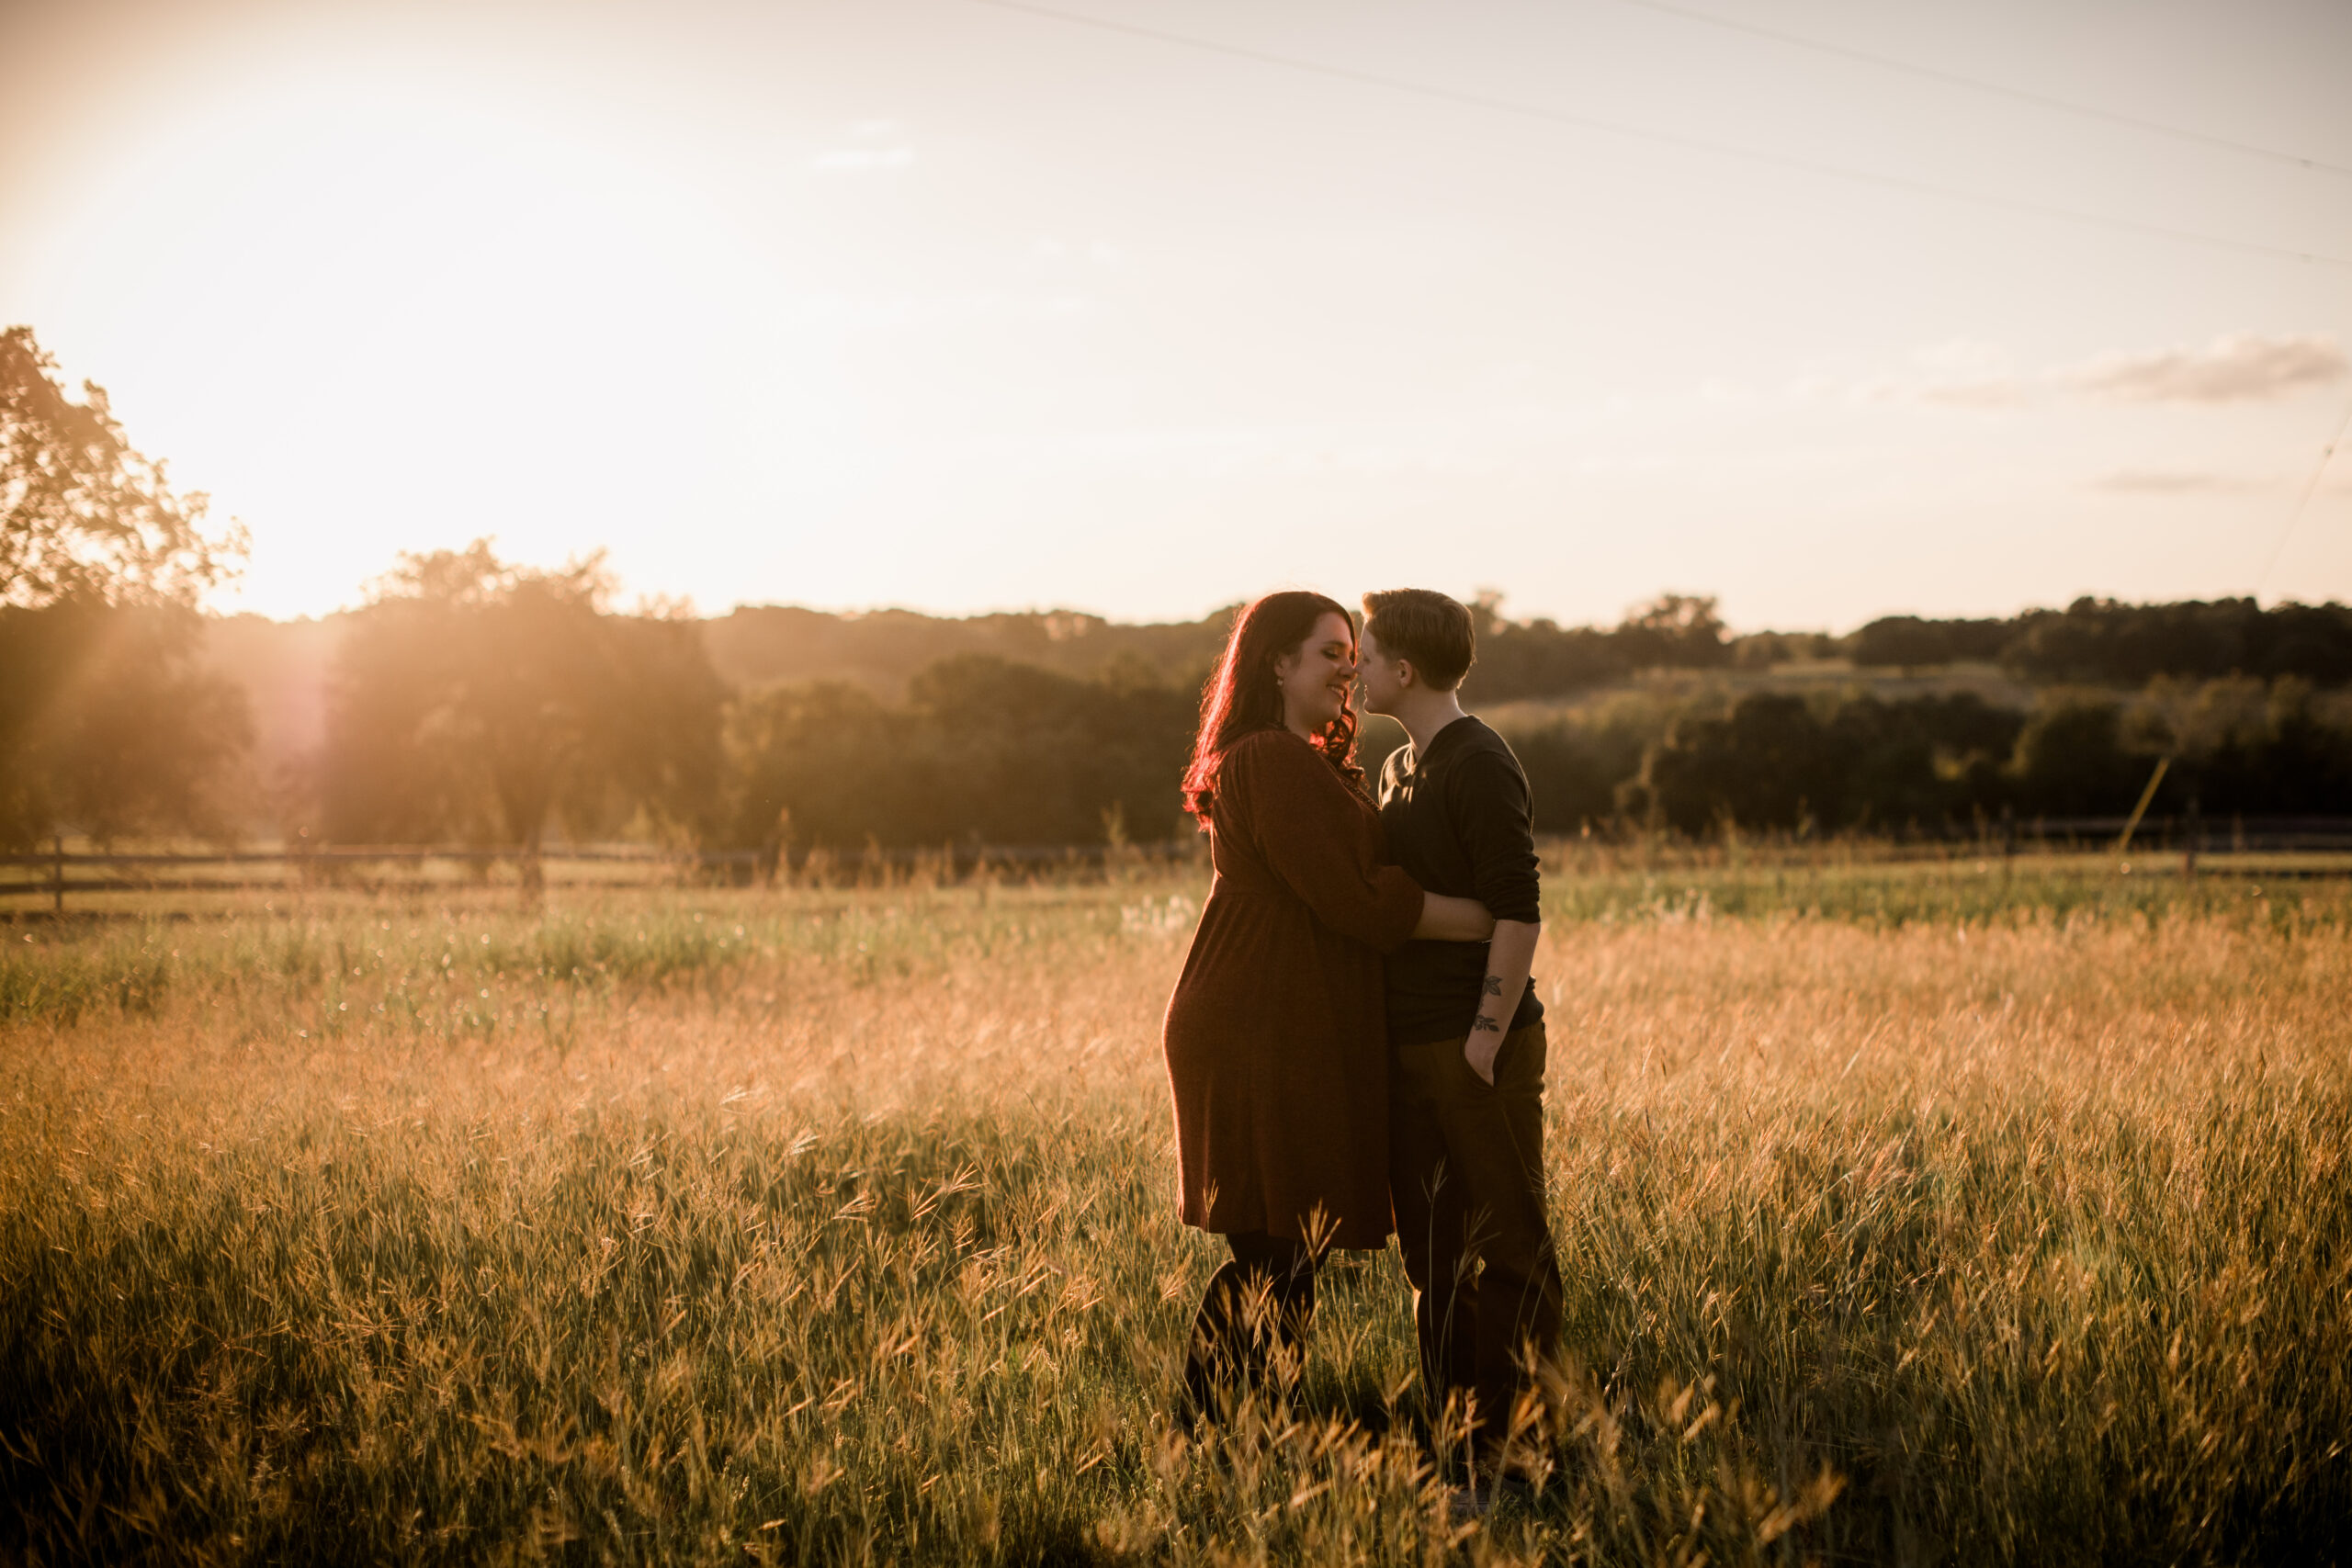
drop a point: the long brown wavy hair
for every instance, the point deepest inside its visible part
(1242, 697)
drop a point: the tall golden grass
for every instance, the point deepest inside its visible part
(837, 1226)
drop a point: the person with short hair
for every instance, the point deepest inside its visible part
(1277, 1056)
(1466, 1044)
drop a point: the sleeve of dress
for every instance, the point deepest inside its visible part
(1306, 825)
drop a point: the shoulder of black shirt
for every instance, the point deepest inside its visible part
(1476, 739)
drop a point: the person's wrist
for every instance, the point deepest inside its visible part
(1483, 1047)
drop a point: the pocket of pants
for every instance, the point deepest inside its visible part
(1518, 1046)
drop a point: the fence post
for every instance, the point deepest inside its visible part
(57, 870)
(2123, 845)
(2189, 842)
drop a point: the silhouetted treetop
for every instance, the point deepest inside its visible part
(1541, 658)
(474, 578)
(82, 515)
(474, 699)
(2104, 642)
(882, 650)
(107, 724)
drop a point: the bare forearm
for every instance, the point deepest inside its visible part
(1445, 919)
(1509, 958)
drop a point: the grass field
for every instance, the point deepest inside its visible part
(1928, 1214)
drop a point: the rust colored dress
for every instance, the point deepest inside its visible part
(1275, 1037)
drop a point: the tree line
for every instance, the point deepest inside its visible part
(1949, 763)
(2103, 642)
(480, 700)
(2090, 642)
(476, 700)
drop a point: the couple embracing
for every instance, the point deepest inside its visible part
(1354, 1045)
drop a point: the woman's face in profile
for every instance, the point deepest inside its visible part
(1316, 675)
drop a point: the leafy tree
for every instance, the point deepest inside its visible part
(1777, 762)
(983, 750)
(477, 699)
(2240, 746)
(2103, 641)
(108, 726)
(1908, 642)
(1541, 658)
(1575, 763)
(1040, 758)
(821, 763)
(82, 515)
(107, 723)
(1674, 631)
(2071, 761)
(1761, 650)
(1766, 764)
(1903, 642)
(757, 646)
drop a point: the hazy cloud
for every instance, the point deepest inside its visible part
(2238, 369)
(2242, 368)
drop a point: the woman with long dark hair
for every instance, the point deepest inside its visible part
(1274, 1037)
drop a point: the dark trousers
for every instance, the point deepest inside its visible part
(1252, 1324)
(1465, 1172)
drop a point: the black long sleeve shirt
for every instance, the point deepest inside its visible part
(1458, 823)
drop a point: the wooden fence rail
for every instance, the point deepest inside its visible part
(963, 855)
(341, 852)
(56, 873)
(335, 865)
(2207, 835)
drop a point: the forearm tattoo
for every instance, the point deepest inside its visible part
(1482, 1024)
(1494, 985)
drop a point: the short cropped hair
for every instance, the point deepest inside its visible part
(1426, 629)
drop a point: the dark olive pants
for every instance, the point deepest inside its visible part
(1465, 1172)
(1252, 1324)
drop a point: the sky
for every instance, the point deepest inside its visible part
(1827, 307)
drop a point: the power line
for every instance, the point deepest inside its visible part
(2293, 518)
(2020, 94)
(1665, 137)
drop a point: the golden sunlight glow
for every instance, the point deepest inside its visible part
(967, 308)
(397, 286)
